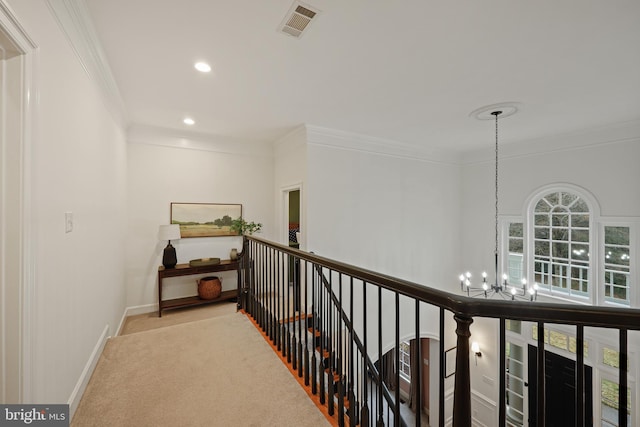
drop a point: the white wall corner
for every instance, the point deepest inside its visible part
(85, 376)
(75, 21)
(135, 310)
(352, 141)
(295, 139)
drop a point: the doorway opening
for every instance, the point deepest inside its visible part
(293, 218)
(560, 390)
(292, 227)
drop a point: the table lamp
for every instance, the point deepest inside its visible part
(169, 232)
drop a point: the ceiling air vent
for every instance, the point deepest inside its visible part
(298, 19)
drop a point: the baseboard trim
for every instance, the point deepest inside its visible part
(132, 311)
(81, 385)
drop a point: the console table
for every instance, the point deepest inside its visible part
(187, 270)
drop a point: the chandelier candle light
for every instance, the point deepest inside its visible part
(502, 289)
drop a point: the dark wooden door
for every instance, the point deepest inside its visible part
(560, 390)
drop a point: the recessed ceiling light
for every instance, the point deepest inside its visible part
(202, 67)
(189, 121)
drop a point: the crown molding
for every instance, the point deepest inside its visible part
(317, 135)
(74, 20)
(189, 140)
(615, 133)
(10, 23)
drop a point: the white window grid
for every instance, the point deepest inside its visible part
(404, 364)
(617, 270)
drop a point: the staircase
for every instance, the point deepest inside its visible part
(311, 328)
(313, 357)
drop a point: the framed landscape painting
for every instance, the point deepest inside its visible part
(205, 219)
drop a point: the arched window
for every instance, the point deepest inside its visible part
(569, 250)
(561, 242)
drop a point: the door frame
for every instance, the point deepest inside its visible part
(18, 359)
(284, 220)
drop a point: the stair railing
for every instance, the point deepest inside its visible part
(300, 302)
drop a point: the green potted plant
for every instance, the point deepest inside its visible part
(243, 227)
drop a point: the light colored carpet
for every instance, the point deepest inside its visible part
(148, 321)
(213, 372)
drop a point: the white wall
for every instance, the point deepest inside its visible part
(602, 161)
(165, 168)
(79, 165)
(381, 209)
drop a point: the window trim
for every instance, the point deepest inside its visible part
(632, 224)
(594, 239)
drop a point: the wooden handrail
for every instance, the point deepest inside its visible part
(571, 314)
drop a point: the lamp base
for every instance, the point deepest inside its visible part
(169, 258)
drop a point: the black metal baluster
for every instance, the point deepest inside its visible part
(263, 296)
(340, 360)
(306, 321)
(274, 291)
(286, 312)
(269, 294)
(299, 323)
(351, 384)
(580, 395)
(622, 380)
(502, 388)
(382, 368)
(442, 372)
(289, 326)
(254, 280)
(396, 415)
(330, 348)
(263, 271)
(418, 354)
(283, 297)
(364, 416)
(314, 326)
(541, 377)
(265, 287)
(323, 322)
(294, 342)
(279, 304)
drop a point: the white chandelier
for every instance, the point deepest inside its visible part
(499, 288)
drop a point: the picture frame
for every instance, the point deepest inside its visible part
(450, 362)
(205, 219)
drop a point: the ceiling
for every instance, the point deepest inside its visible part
(410, 71)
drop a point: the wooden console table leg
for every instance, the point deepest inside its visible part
(239, 291)
(159, 296)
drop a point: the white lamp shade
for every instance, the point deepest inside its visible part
(169, 232)
(475, 347)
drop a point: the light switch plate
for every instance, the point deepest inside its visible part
(68, 222)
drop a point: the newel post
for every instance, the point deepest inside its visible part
(462, 391)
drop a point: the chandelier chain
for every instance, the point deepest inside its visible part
(501, 287)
